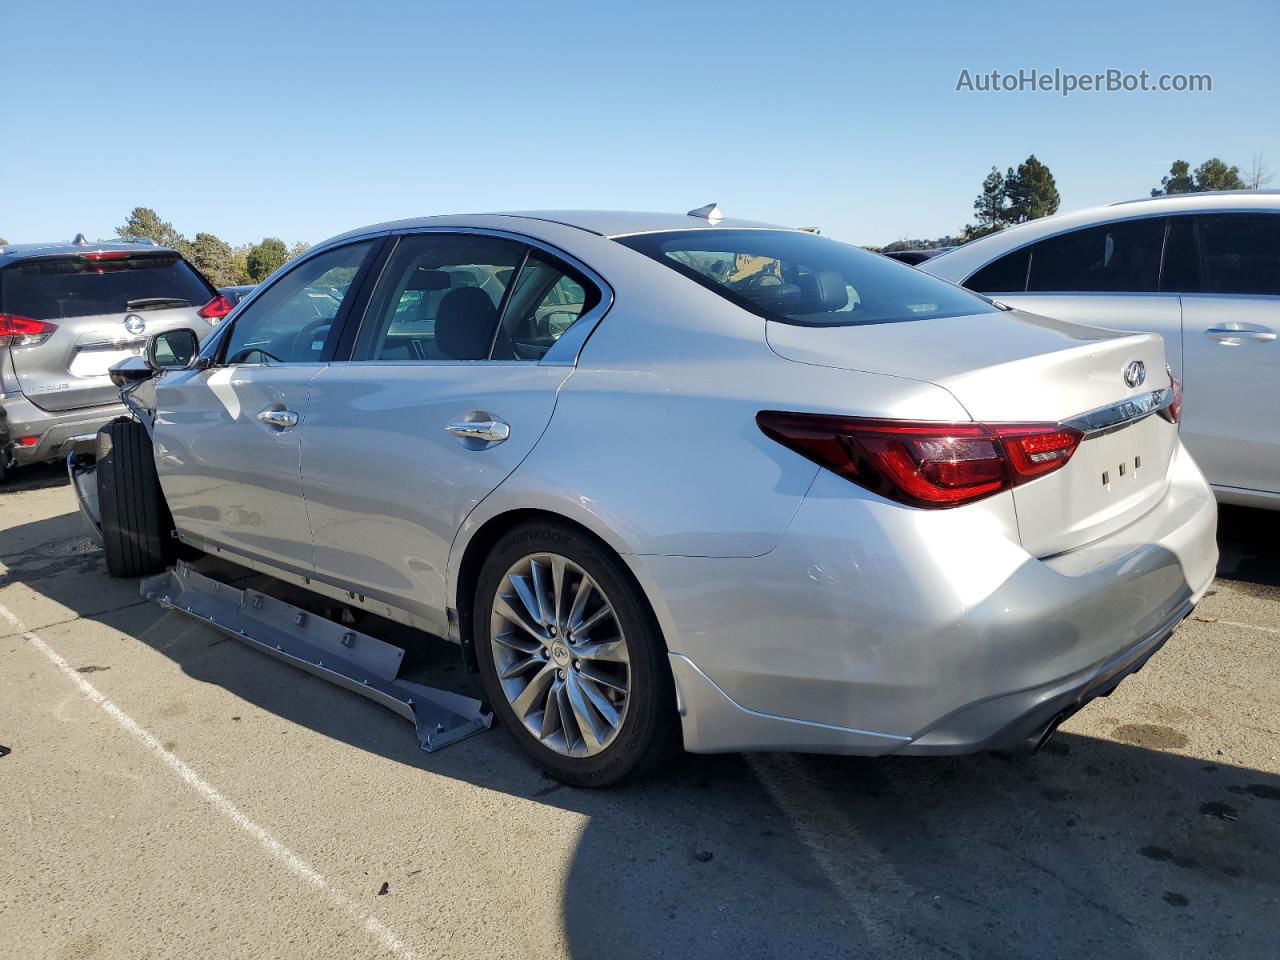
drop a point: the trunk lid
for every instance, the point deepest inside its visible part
(103, 312)
(1014, 367)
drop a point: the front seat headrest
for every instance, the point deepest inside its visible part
(464, 324)
(825, 291)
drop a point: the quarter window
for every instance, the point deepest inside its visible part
(1119, 257)
(1241, 253)
(291, 321)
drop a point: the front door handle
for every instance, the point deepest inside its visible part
(284, 419)
(1234, 334)
(490, 431)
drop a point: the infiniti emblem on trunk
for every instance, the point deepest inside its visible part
(1135, 372)
(135, 325)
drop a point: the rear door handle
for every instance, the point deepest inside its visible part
(284, 419)
(490, 431)
(1236, 333)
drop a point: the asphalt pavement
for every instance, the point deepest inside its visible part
(168, 792)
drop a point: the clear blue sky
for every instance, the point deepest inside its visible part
(304, 119)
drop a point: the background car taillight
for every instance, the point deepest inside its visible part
(23, 331)
(216, 309)
(1173, 412)
(923, 463)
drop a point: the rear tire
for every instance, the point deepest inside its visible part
(646, 733)
(136, 524)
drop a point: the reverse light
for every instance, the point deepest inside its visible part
(925, 463)
(23, 331)
(216, 309)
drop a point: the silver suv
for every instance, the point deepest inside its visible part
(68, 311)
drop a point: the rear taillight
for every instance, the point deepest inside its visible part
(23, 331)
(924, 463)
(1173, 412)
(216, 309)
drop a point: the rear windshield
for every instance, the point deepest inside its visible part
(63, 287)
(800, 278)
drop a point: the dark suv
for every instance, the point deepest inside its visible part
(68, 311)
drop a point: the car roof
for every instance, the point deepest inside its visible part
(11, 252)
(963, 261)
(603, 223)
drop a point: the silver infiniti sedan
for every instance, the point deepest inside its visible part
(684, 479)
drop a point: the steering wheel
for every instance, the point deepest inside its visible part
(762, 280)
(307, 335)
(243, 356)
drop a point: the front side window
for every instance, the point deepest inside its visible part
(803, 279)
(1241, 253)
(439, 298)
(291, 321)
(1112, 258)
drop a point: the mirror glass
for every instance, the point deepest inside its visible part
(172, 349)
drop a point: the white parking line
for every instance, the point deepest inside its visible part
(295, 864)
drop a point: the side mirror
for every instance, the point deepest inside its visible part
(130, 370)
(172, 349)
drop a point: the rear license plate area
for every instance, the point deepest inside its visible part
(91, 362)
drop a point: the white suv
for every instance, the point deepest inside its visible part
(1202, 270)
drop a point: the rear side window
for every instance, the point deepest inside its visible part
(799, 278)
(1241, 253)
(1006, 275)
(439, 298)
(60, 288)
(1112, 258)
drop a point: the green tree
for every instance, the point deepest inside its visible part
(1030, 191)
(990, 206)
(3, 241)
(1213, 174)
(240, 264)
(263, 258)
(215, 259)
(298, 249)
(1179, 180)
(145, 222)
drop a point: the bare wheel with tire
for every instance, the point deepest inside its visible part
(136, 524)
(571, 657)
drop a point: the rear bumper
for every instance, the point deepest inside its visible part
(59, 432)
(1023, 721)
(874, 629)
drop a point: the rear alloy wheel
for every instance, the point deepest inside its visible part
(571, 657)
